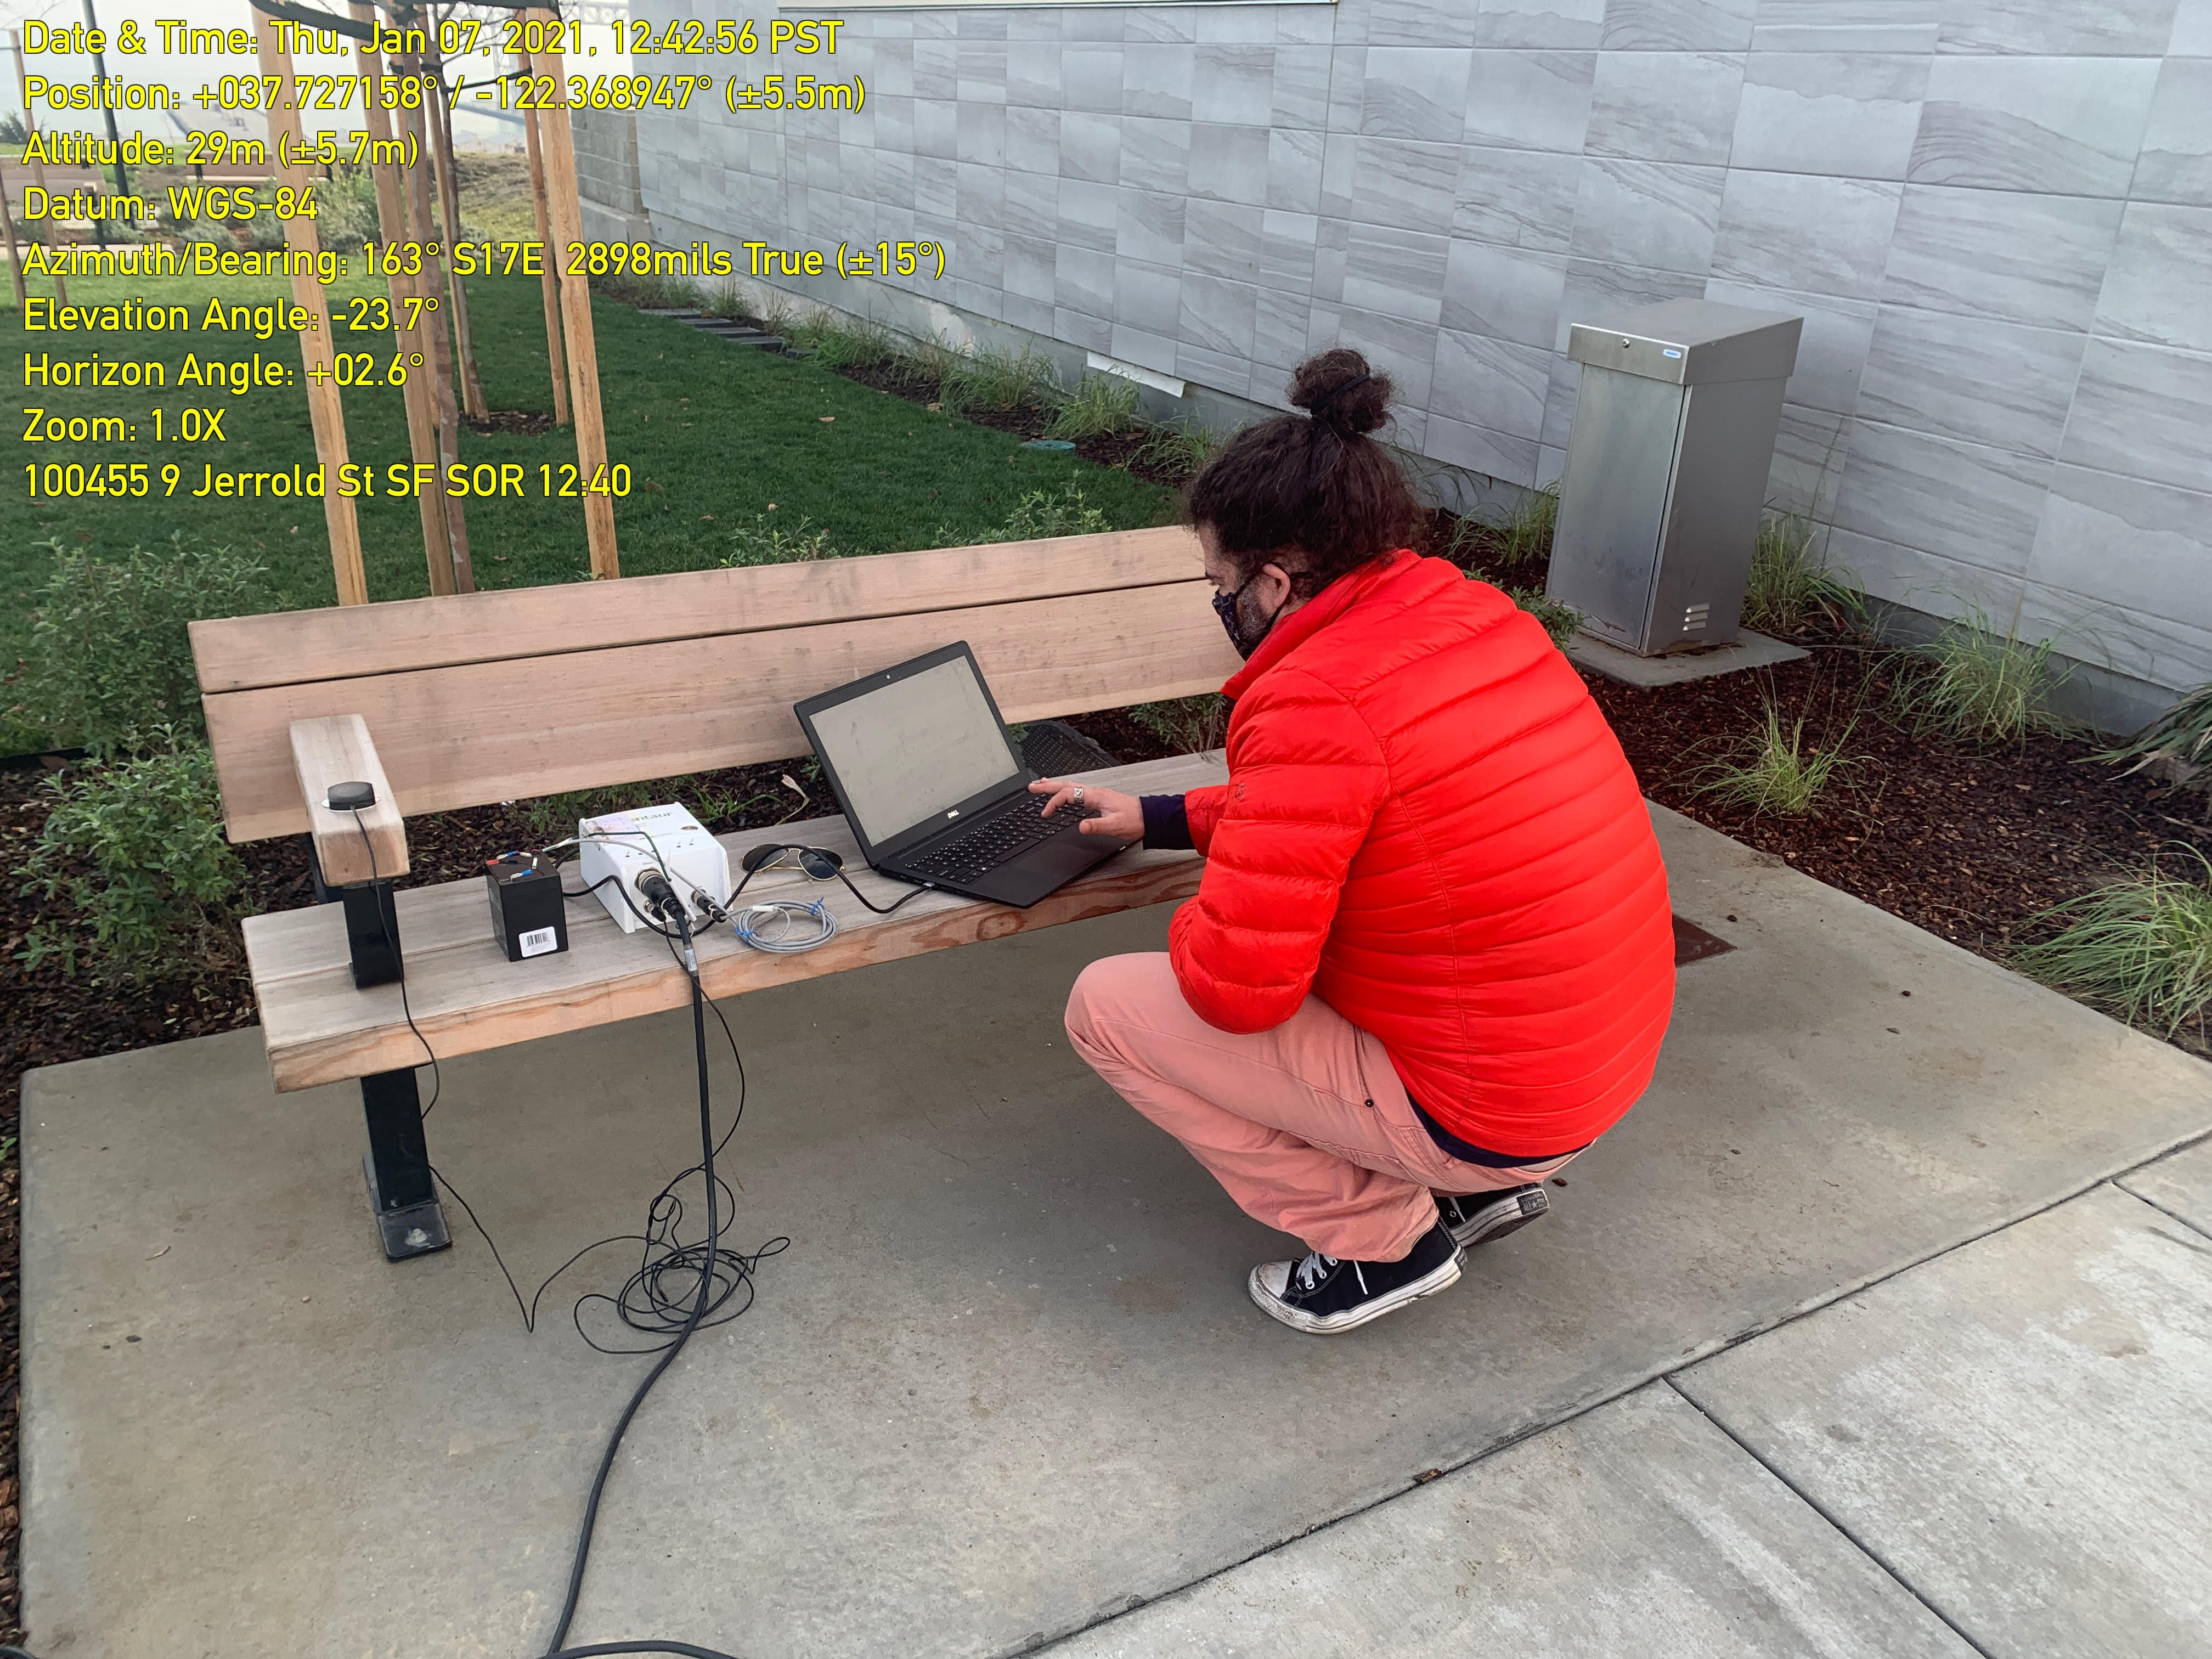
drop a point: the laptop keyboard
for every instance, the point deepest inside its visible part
(994, 841)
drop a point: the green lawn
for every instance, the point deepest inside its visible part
(713, 433)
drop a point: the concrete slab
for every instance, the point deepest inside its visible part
(1637, 1529)
(2179, 1183)
(2021, 1430)
(1006, 1378)
(1747, 650)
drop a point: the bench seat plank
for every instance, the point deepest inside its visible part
(473, 733)
(241, 653)
(467, 997)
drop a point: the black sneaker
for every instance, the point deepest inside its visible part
(1322, 1296)
(1477, 1218)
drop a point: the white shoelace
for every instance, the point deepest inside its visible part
(1317, 1267)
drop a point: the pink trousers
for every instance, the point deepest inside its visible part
(1307, 1126)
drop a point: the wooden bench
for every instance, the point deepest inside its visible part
(468, 700)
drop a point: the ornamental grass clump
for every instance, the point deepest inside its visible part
(1102, 406)
(2178, 743)
(1506, 541)
(1791, 589)
(2141, 949)
(1776, 771)
(1972, 685)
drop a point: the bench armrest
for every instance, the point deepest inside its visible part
(337, 748)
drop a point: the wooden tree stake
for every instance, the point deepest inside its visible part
(548, 280)
(461, 575)
(14, 253)
(445, 169)
(325, 411)
(38, 168)
(420, 400)
(565, 210)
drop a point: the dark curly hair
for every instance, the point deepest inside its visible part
(1311, 492)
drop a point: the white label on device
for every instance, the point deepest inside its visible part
(538, 940)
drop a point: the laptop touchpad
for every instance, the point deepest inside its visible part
(1065, 856)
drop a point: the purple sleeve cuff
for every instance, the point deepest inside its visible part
(1166, 825)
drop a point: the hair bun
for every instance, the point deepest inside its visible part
(1338, 390)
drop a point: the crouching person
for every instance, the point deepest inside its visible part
(1431, 958)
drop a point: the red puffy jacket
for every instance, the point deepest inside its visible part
(1429, 824)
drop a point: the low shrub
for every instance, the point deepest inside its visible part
(1775, 771)
(1188, 725)
(1973, 684)
(1790, 590)
(1559, 619)
(1102, 406)
(133, 867)
(2141, 949)
(767, 540)
(110, 657)
(1061, 512)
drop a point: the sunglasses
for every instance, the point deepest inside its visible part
(817, 862)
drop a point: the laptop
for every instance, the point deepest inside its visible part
(935, 790)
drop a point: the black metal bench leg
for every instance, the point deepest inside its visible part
(401, 1192)
(402, 1195)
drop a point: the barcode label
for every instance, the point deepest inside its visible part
(538, 940)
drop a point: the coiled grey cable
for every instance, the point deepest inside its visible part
(767, 926)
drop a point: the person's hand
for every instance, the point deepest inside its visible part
(1105, 811)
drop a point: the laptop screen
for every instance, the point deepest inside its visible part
(914, 748)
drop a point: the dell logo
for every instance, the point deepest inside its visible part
(954, 813)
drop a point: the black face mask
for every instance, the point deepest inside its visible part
(1225, 606)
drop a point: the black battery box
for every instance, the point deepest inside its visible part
(529, 917)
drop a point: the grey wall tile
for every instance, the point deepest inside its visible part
(1397, 182)
(1405, 351)
(2175, 164)
(2066, 125)
(1031, 206)
(2193, 29)
(1295, 26)
(1551, 466)
(1092, 331)
(893, 70)
(1831, 350)
(1666, 105)
(1286, 250)
(1648, 213)
(1229, 164)
(1595, 290)
(1575, 24)
(1415, 92)
(981, 71)
(894, 125)
(1497, 384)
(980, 259)
(1278, 340)
(1082, 280)
(1340, 163)
(1493, 454)
(1808, 461)
(2143, 411)
(982, 26)
(1155, 80)
(1529, 100)
(1033, 73)
(1300, 95)
(1509, 293)
(1089, 216)
(1926, 581)
(1852, 114)
(2004, 254)
(1091, 146)
(979, 134)
(1398, 273)
(1218, 314)
(1147, 296)
(1520, 198)
(936, 185)
(1156, 155)
(1151, 228)
(1560, 401)
(981, 195)
(1222, 238)
(1028, 268)
(1139, 346)
(1159, 23)
(1894, 26)
(2142, 545)
(1332, 255)
(1032, 140)
(937, 68)
(1407, 22)
(936, 127)
(2127, 27)
(1218, 371)
(1091, 23)
(1965, 501)
(1032, 25)
(2002, 384)
(1236, 84)
(1795, 230)
(1294, 170)
(1678, 25)
(1347, 85)
(1091, 78)
(2159, 286)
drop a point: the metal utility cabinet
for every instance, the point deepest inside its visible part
(1666, 468)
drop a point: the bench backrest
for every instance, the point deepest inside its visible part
(482, 697)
